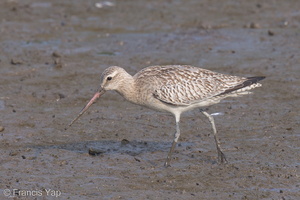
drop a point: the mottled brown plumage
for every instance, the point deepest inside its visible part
(174, 89)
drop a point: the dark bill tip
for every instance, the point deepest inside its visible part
(85, 108)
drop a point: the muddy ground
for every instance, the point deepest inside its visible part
(52, 55)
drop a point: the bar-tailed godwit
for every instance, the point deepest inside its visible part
(174, 89)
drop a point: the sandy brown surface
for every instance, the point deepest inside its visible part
(52, 55)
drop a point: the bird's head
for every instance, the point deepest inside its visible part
(111, 78)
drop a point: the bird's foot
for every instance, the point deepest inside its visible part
(221, 157)
(167, 163)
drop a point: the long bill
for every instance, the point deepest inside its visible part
(93, 100)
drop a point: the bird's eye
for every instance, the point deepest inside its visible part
(109, 78)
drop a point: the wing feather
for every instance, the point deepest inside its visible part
(186, 85)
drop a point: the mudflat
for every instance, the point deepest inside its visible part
(52, 56)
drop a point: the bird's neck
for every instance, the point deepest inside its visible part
(127, 88)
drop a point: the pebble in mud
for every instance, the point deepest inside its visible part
(15, 61)
(124, 141)
(254, 25)
(57, 60)
(13, 153)
(95, 152)
(2, 128)
(270, 33)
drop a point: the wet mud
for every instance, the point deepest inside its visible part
(52, 55)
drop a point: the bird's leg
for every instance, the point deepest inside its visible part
(176, 137)
(221, 155)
